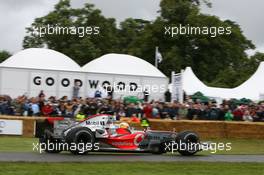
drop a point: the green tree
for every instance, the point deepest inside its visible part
(130, 30)
(208, 56)
(218, 61)
(4, 55)
(232, 77)
(81, 49)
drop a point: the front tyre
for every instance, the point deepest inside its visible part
(188, 143)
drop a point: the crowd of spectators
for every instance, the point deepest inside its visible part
(190, 110)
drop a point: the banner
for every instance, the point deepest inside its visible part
(11, 127)
(177, 89)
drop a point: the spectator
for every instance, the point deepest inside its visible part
(173, 111)
(146, 95)
(154, 109)
(222, 111)
(69, 111)
(147, 110)
(35, 107)
(76, 89)
(260, 114)
(155, 112)
(213, 113)
(27, 111)
(247, 116)
(163, 111)
(110, 92)
(183, 111)
(61, 110)
(131, 109)
(238, 114)
(98, 94)
(194, 112)
(47, 109)
(167, 96)
(41, 94)
(229, 116)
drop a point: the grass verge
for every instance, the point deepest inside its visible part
(197, 168)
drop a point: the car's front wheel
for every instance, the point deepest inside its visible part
(188, 143)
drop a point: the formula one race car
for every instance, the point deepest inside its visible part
(100, 133)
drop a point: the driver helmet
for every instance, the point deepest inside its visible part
(124, 125)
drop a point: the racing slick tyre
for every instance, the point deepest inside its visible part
(81, 140)
(188, 143)
(49, 144)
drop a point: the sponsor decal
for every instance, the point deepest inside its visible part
(2, 124)
(122, 144)
(88, 122)
(138, 139)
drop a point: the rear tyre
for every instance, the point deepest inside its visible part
(188, 143)
(81, 140)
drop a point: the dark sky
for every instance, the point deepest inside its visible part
(15, 15)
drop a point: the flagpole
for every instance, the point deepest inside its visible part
(156, 59)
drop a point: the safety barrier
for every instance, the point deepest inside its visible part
(28, 124)
(211, 129)
(206, 129)
(215, 129)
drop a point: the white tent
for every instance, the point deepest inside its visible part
(115, 69)
(35, 69)
(122, 64)
(39, 58)
(250, 89)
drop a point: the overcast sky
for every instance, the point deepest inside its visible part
(16, 15)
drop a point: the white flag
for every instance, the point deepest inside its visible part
(158, 55)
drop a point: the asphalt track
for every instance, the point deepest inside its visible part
(99, 157)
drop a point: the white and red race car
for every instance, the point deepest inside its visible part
(100, 133)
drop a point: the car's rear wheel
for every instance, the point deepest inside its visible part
(81, 140)
(188, 143)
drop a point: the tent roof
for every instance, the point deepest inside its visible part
(250, 89)
(192, 84)
(39, 58)
(122, 64)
